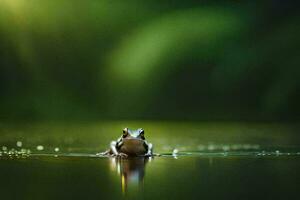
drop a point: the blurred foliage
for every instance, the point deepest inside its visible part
(100, 59)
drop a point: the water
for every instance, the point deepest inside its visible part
(198, 161)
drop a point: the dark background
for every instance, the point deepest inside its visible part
(172, 60)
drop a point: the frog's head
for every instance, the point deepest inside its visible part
(134, 134)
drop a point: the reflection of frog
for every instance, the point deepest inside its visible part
(131, 143)
(131, 171)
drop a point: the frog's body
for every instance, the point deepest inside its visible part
(131, 143)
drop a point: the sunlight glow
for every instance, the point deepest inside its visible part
(14, 6)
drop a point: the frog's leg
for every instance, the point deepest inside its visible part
(114, 148)
(150, 149)
(111, 151)
(105, 153)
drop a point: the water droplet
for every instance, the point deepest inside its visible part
(226, 147)
(4, 148)
(211, 147)
(175, 151)
(56, 149)
(19, 144)
(40, 148)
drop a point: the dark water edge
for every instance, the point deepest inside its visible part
(164, 177)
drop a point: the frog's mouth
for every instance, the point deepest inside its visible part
(133, 140)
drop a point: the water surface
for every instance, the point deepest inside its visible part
(198, 161)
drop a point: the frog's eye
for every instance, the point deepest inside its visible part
(125, 132)
(142, 133)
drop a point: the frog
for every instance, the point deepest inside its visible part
(131, 143)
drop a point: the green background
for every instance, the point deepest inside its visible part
(174, 60)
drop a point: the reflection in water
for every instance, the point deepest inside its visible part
(131, 171)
